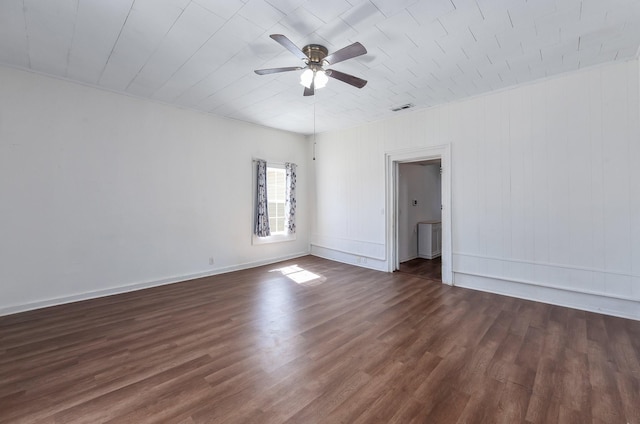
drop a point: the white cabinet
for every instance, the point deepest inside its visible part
(429, 239)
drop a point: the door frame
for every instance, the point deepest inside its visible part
(392, 161)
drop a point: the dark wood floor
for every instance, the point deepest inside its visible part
(348, 346)
(425, 268)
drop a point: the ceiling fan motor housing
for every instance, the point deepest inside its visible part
(316, 53)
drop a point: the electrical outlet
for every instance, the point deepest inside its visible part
(211, 261)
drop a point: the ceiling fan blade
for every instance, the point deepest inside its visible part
(349, 79)
(311, 90)
(354, 50)
(276, 70)
(287, 44)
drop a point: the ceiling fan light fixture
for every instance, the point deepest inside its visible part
(321, 79)
(306, 78)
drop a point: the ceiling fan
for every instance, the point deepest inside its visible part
(315, 58)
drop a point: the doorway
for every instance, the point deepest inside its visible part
(393, 161)
(419, 218)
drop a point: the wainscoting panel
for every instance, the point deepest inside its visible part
(364, 254)
(588, 289)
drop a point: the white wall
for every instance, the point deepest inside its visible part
(104, 193)
(421, 183)
(545, 192)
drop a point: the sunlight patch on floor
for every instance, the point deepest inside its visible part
(300, 275)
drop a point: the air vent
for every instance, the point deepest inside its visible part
(403, 107)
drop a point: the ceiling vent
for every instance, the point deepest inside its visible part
(403, 107)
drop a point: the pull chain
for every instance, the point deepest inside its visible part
(314, 130)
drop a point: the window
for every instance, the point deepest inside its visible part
(276, 191)
(274, 202)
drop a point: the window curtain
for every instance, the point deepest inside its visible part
(261, 228)
(290, 198)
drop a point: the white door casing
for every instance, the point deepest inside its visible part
(392, 159)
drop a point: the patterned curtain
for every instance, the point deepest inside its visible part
(290, 198)
(261, 228)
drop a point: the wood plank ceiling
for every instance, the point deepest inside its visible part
(200, 54)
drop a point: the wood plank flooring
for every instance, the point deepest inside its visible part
(425, 268)
(341, 345)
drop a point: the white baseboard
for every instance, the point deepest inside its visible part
(8, 310)
(410, 258)
(348, 258)
(571, 298)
